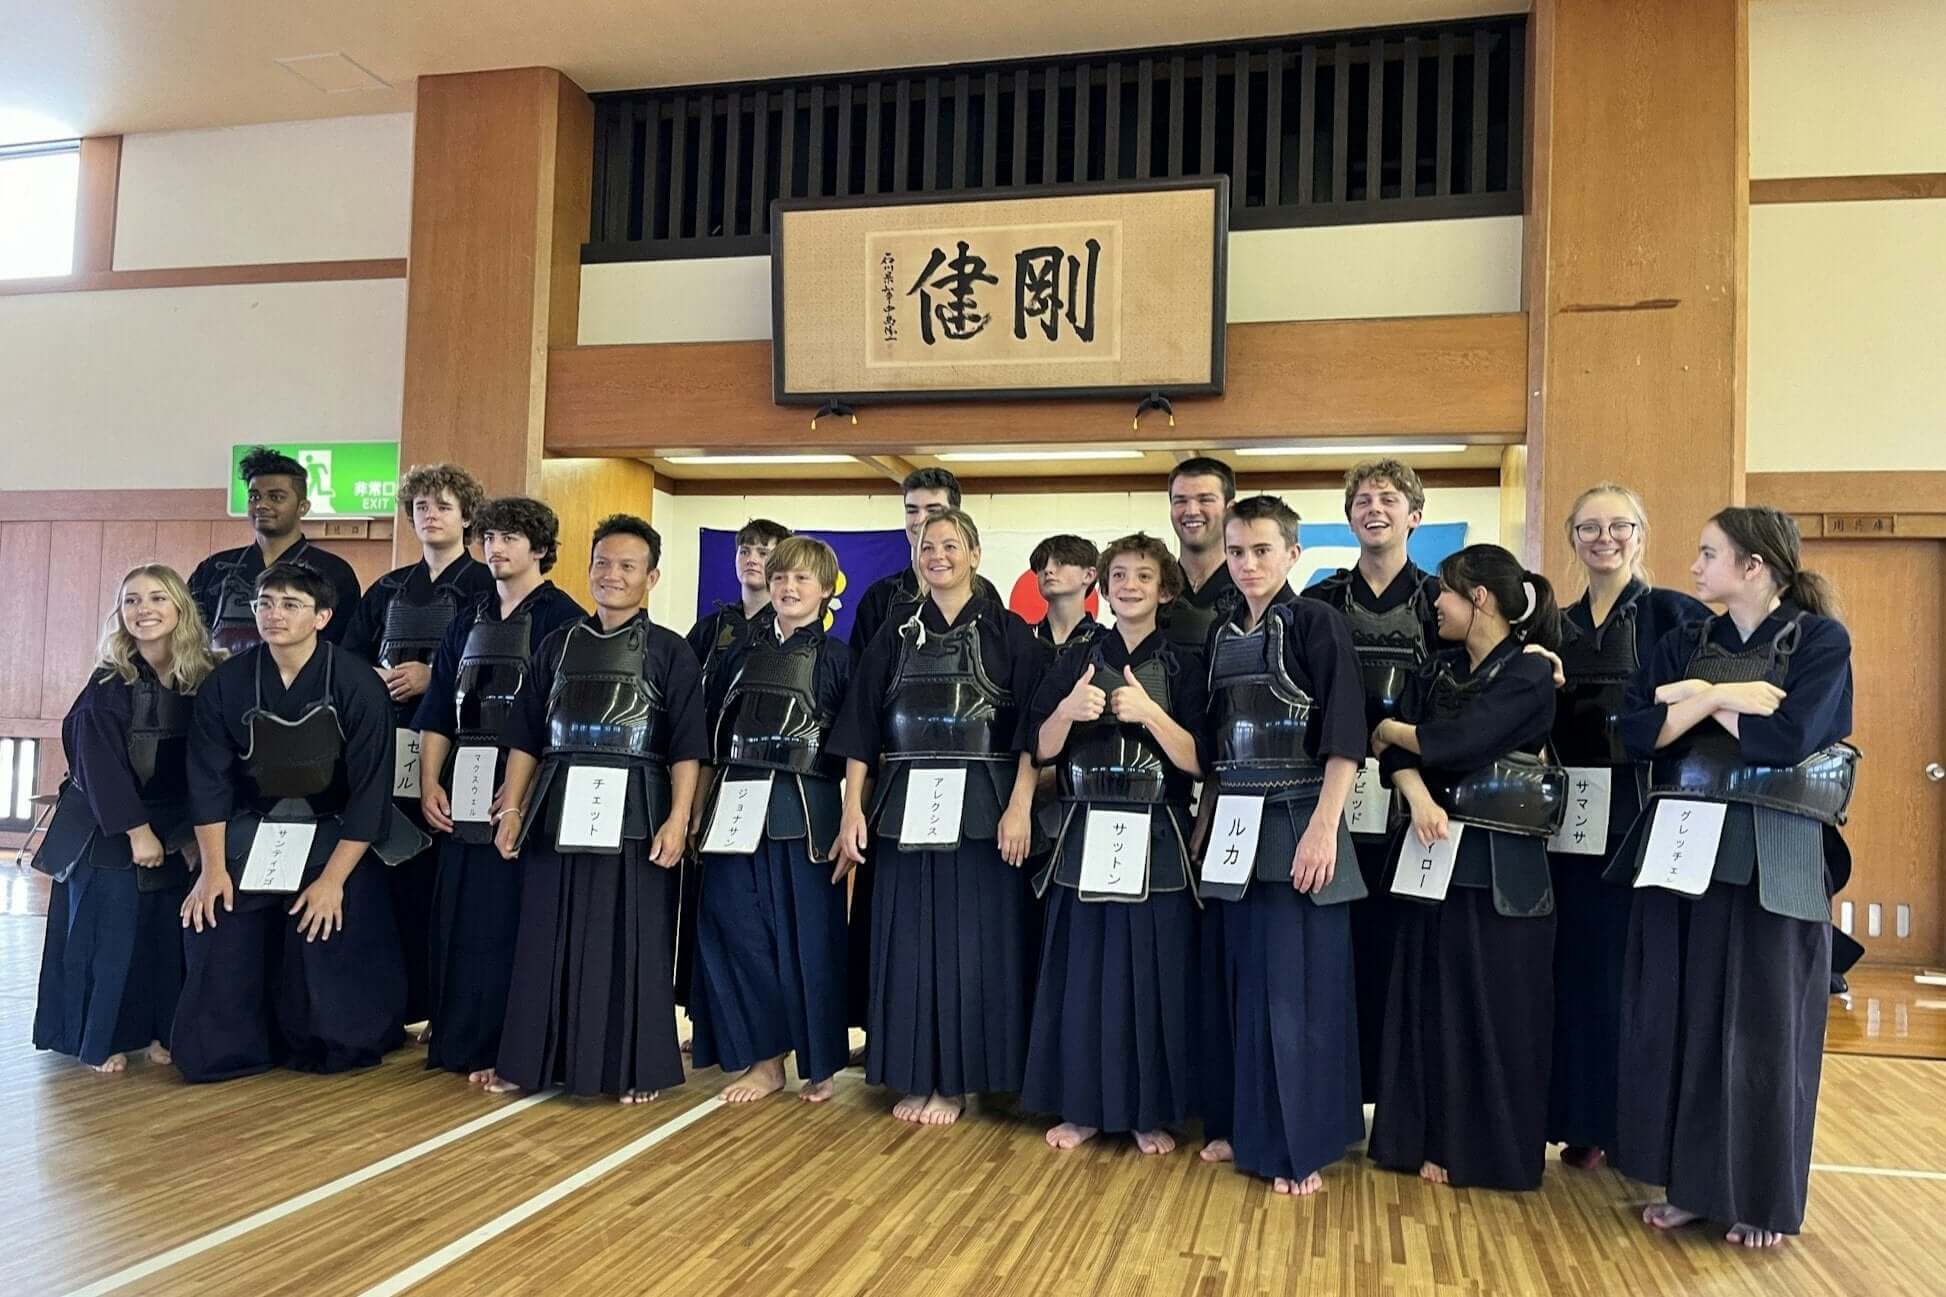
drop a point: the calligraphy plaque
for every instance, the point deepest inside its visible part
(1061, 291)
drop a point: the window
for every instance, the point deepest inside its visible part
(17, 771)
(38, 184)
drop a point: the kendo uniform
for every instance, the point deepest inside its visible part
(402, 619)
(111, 969)
(224, 584)
(476, 675)
(1113, 1041)
(770, 941)
(1591, 916)
(1192, 616)
(711, 640)
(893, 599)
(1279, 1022)
(1469, 1019)
(591, 1006)
(1724, 994)
(1085, 632)
(950, 954)
(1393, 634)
(256, 994)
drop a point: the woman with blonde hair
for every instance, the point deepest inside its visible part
(1605, 636)
(112, 965)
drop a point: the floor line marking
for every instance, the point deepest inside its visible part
(430, 1265)
(1890, 1173)
(290, 1206)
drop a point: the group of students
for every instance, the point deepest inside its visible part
(1241, 855)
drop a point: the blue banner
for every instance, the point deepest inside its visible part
(1329, 546)
(863, 557)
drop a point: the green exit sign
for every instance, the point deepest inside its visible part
(349, 479)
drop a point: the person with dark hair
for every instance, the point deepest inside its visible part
(1065, 568)
(1112, 1046)
(770, 941)
(1200, 490)
(1387, 601)
(1605, 636)
(604, 743)
(477, 674)
(224, 584)
(1462, 1096)
(937, 699)
(292, 956)
(397, 628)
(711, 639)
(1282, 741)
(120, 843)
(1743, 717)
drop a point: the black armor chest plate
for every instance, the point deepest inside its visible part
(1108, 761)
(770, 717)
(1390, 645)
(492, 668)
(1598, 665)
(1261, 715)
(413, 630)
(302, 758)
(601, 702)
(158, 740)
(942, 702)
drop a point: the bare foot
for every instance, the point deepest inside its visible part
(485, 1076)
(641, 1096)
(1218, 1150)
(1751, 1236)
(159, 1053)
(113, 1063)
(1304, 1188)
(688, 1046)
(816, 1091)
(421, 1033)
(909, 1108)
(1582, 1157)
(1666, 1215)
(761, 1081)
(1156, 1142)
(942, 1110)
(1433, 1173)
(499, 1084)
(1068, 1135)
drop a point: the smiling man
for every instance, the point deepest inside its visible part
(224, 585)
(1200, 489)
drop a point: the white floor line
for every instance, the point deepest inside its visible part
(445, 1256)
(257, 1220)
(1890, 1173)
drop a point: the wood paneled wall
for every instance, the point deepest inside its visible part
(584, 491)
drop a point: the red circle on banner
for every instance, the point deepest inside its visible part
(1025, 599)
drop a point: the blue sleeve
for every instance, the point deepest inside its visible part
(857, 735)
(1412, 711)
(526, 729)
(212, 791)
(1515, 706)
(98, 734)
(1816, 711)
(365, 715)
(364, 622)
(1055, 684)
(340, 574)
(437, 712)
(1325, 656)
(1027, 660)
(683, 688)
(1642, 716)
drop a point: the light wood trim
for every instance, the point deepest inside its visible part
(1248, 481)
(196, 504)
(1452, 375)
(280, 272)
(94, 205)
(1849, 189)
(1879, 491)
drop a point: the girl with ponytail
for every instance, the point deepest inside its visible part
(1724, 989)
(1471, 969)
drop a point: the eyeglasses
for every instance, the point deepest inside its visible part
(288, 606)
(1620, 529)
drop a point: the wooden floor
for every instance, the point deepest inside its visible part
(137, 1184)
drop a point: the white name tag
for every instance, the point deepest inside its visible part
(1115, 853)
(472, 793)
(591, 808)
(1369, 808)
(405, 764)
(277, 856)
(1232, 849)
(737, 824)
(1426, 872)
(1681, 854)
(933, 799)
(1584, 829)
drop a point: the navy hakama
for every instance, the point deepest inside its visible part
(475, 916)
(591, 1006)
(1374, 934)
(111, 966)
(770, 962)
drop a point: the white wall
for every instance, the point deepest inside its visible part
(1090, 513)
(151, 388)
(1846, 87)
(1326, 273)
(339, 189)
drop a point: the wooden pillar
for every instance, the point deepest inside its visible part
(1636, 264)
(584, 491)
(500, 182)
(97, 188)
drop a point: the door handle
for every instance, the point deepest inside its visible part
(1936, 772)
